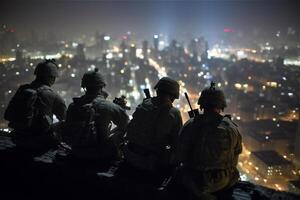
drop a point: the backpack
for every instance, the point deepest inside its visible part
(141, 133)
(25, 110)
(79, 129)
(212, 144)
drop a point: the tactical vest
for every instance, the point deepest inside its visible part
(214, 144)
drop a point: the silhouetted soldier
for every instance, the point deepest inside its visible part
(89, 119)
(152, 134)
(209, 147)
(30, 111)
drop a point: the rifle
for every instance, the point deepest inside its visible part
(193, 112)
(121, 101)
(147, 93)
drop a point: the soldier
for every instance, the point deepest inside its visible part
(30, 111)
(209, 147)
(153, 132)
(89, 119)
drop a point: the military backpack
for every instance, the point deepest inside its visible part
(25, 111)
(79, 129)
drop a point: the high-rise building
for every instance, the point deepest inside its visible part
(19, 57)
(155, 43)
(80, 55)
(132, 53)
(145, 49)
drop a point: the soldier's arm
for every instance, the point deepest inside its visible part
(59, 108)
(119, 117)
(238, 147)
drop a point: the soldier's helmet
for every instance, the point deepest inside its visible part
(46, 69)
(169, 86)
(212, 98)
(93, 79)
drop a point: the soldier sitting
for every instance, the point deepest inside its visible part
(152, 135)
(30, 111)
(89, 119)
(208, 148)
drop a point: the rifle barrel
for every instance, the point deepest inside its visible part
(188, 100)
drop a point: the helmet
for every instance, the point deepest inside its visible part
(92, 79)
(212, 97)
(46, 68)
(168, 86)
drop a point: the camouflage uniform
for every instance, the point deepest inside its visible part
(164, 136)
(150, 147)
(52, 104)
(209, 147)
(106, 113)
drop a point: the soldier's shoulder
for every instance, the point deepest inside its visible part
(50, 93)
(190, 123)
(227, 120)
(102, 103)
(175, 111)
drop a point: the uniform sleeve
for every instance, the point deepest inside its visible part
(238, 147)
(59, 108)
(119, 117)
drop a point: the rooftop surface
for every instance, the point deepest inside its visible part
(50, 175)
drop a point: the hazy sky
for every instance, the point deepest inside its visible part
(148, 17)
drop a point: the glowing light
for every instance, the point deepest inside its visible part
(238, 85)
(267, 137)
(106, 38)
(109, 56)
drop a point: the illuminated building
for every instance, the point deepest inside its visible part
(156, 43)
(271, 165)
(297, 146)
(132, 53)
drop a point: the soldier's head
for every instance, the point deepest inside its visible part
(212, 98)
(167, 87)
(46, 72)
(93, 81)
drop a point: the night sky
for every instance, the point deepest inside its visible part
(72, 18)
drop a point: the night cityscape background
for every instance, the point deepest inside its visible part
(251, 49)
